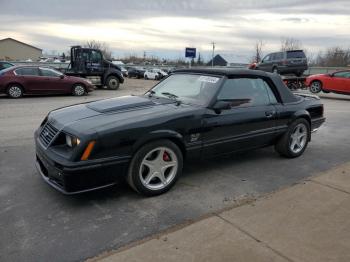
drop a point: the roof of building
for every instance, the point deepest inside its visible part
(9, 38)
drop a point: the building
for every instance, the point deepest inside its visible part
(228, 60)
(14, 50)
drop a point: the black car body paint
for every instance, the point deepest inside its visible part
(120, 126)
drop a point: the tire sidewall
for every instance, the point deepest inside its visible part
(289, 133)
(133, 172)
(113, 87)
(14, 85)
(320, 87)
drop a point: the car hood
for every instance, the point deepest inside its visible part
(117, 112)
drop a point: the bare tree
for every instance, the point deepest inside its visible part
(258, 51)
(105, 49)
(334, 56)
(290, 43)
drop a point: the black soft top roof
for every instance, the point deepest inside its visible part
(286, 95)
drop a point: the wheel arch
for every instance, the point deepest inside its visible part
(173, 136)
(302, 114)
(15, 83)
(113, 73)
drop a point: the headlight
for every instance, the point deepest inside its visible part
(72, 141)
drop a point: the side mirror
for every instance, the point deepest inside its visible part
(221, 105)
(61, 76)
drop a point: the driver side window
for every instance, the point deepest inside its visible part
(245, 92)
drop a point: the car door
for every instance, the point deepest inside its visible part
(53, 82)
(94, 63)
(248, 123)
(339, 82)
(346, 87)
(265, 64)
(30, 79)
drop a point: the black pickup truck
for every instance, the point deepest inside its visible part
(191, 114)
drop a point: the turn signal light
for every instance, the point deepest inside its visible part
(88, 150)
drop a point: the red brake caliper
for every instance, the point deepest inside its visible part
(166, 157)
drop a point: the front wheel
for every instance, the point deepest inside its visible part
(155, 168)
(112, 82)
(294, 142)
(78, 90)
(316, 87)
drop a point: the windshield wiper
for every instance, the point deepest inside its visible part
(170, 95)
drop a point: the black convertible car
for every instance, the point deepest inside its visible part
(191, 114)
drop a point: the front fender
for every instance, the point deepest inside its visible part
(159, 134)
(114, 72)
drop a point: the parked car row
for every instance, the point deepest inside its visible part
(154, 73)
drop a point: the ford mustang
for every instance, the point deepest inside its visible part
(192, 114)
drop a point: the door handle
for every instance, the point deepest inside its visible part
(270, 114)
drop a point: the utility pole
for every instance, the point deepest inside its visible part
(212, 56)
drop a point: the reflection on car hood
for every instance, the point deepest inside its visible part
(89, 117)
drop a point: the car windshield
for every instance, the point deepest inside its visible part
(187, 88)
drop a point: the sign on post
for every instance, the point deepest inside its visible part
(190, 52)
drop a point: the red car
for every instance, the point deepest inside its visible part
(338, 82)
(19, 80)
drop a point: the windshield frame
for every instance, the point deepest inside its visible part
(179, 99)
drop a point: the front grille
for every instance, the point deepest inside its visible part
(48, 133)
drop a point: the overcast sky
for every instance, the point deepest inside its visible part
(165, 27)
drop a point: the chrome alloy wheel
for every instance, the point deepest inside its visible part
(315, 87)
(158, 168)
(79, 90)
(298, 139)
(15, 91)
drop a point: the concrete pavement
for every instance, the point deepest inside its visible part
(309, 221)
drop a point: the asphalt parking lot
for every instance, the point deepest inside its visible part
(40, 224)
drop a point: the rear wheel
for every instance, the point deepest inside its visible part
(294, 142)
(315, 87)
(78, 90)
(15, 91)
(155, 168)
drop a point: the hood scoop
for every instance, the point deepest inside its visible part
(119, 104)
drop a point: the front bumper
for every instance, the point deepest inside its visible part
(78, 178)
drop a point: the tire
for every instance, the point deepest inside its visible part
(146, 77)
(148, 174)
(78, 90)
(15, 91)
(295, 140)
(315, 87)
(113, 82)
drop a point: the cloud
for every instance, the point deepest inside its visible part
(166, 26)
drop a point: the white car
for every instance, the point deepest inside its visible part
(152, 74)
(160, 72)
